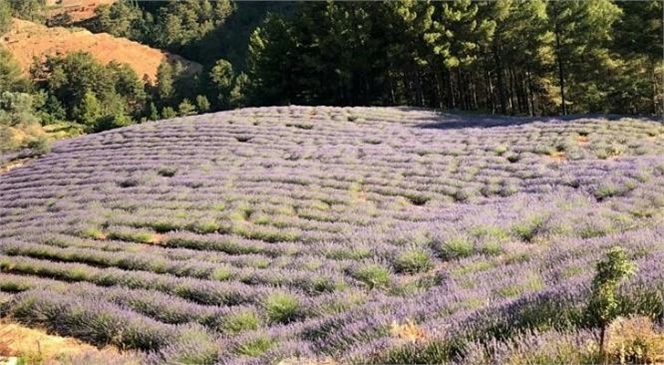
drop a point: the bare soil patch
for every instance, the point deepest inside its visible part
(78, 10)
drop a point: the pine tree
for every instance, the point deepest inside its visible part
(581, 30)
(186, 108)
(222, 79)
(89, 111)
(202, 103)
(165, 81)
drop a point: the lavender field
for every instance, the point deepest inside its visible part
(352, 235)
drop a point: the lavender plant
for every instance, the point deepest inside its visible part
(267, 234)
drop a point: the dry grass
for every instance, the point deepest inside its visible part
(11, 165)
(37, 347)
(301, 361)
(158, 239)
(26, 40)
(634, 341)
(559, 157)
(582, 140)
(407, 331)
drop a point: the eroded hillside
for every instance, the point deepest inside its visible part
(27, 40)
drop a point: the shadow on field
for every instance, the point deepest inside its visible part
(445, 121)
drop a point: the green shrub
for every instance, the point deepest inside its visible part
(603, 305)
(373, 275)
(282, 307)
(167, 171)
(325, 285)
(500, 149)
(138, 236)
(255, 347)
(529, 229)
(456, 247)
(412, 261)
(92, 232)
(241, 321)
(221, 274)
(606, 191)
(206, 226)
(39, 146)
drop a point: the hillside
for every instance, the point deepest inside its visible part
(27, 40)
(77, 10)
(366, 235)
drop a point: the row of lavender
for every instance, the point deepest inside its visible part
(263, 234)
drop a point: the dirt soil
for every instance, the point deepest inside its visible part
(27, 40)
(78, 10)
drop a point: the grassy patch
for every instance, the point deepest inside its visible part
(282, 307)
(412, 261)
(372, 275)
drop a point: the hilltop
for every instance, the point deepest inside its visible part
(27, 40)
(366, 235)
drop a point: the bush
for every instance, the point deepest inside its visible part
(206, 226)
(634, 341)
(221, 274)
(39, 146)
(240, 321)
(603, 305)
(254, 347)
(282, 307)
(373, 275)
(412, 261)
(167, 171)
(456, 248)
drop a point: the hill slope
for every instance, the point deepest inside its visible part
(27, 40)
(76, 10)
(299, 232)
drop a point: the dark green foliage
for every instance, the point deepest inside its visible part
(32, 10)
(122, 19)
(534, 57)
(186, 108)
(510, 57)
(97, 96)
(168, 113)
(202, 103)
(167, 171)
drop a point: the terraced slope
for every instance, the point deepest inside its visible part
(354, 234)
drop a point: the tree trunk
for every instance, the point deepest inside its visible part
(501, 83)
(512, 91)
(450, 90)
(561, 74)
(531, 96)
(489, 93)
(602, 335)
